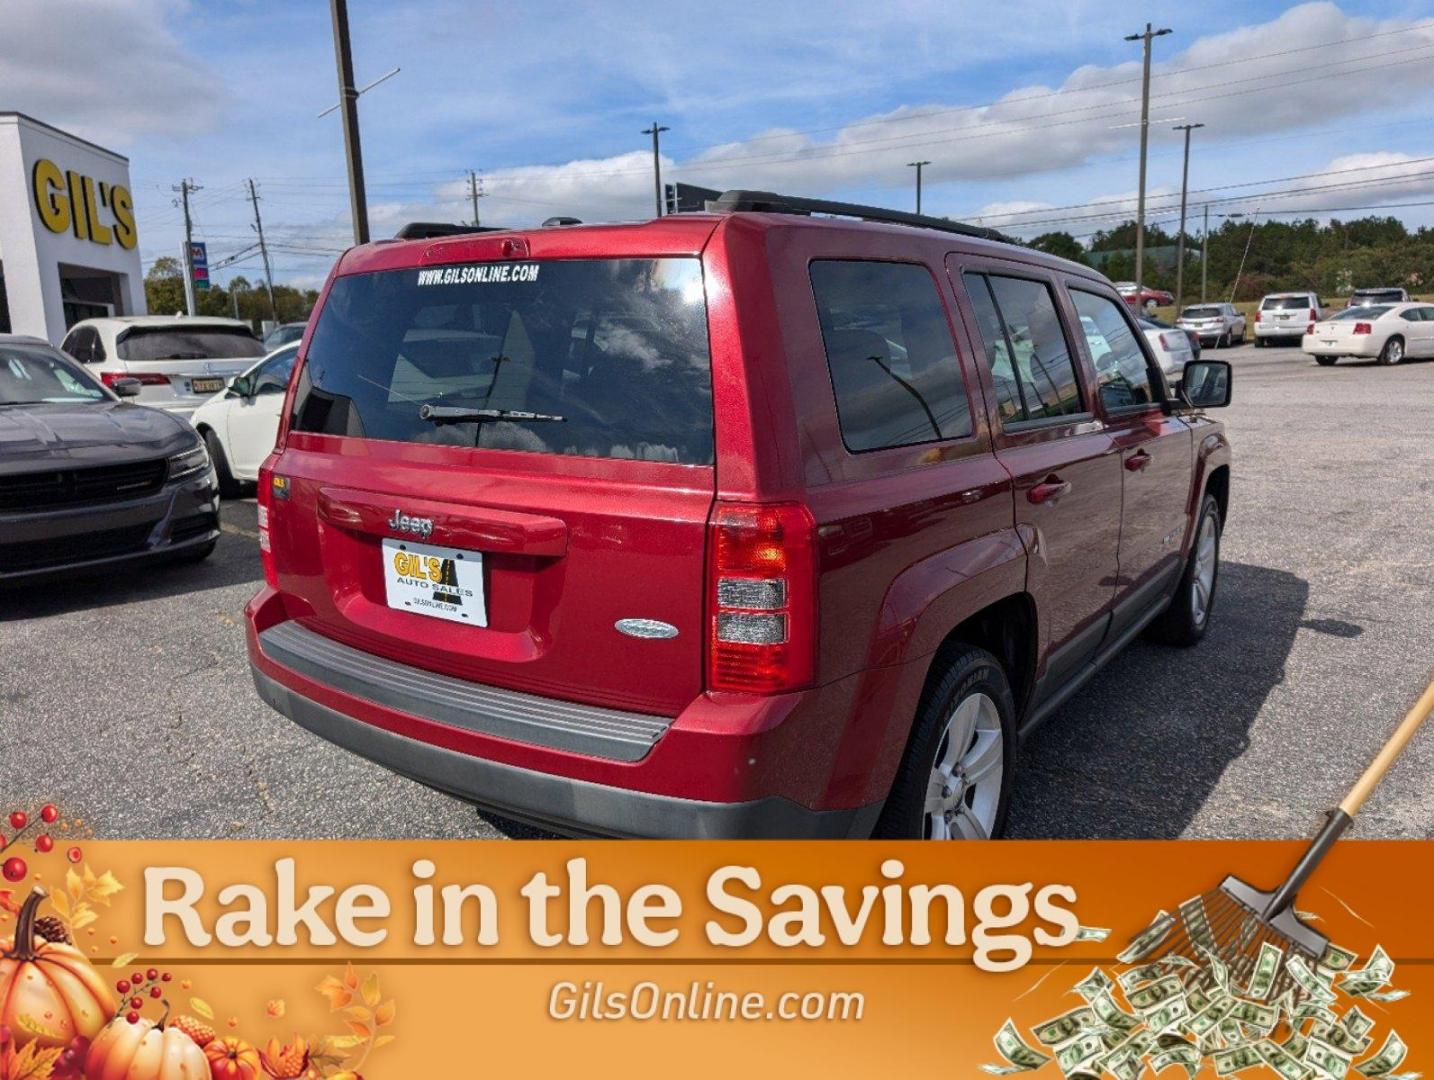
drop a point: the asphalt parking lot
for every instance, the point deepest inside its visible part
(129, 700)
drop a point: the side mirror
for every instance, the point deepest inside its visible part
(1205, 384)
(243, 386)
(126, 387)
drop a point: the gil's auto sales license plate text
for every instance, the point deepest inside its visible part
(439, 581)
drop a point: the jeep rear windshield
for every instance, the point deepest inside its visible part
(188, 343)
(616, 348)
(1285, 303)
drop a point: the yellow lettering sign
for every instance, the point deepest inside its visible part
(50, 200)
(69, 202)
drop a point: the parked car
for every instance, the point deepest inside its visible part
(89, 481)
(1218, 324)
(1381, 295)
(1170, 345)
(1286, 316)
(239, 423)
(178, 361)
(1386, 332)
(738, 523)
(283, 334)
(1143, 298)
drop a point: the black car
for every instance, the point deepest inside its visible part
(88, 480)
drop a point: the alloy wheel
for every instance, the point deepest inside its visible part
(1202, 581)
(964, 790)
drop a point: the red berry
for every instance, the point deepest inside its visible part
(152, 974)
(122, 986)
(74, 854)
(165, 977)
(136, 1003)
(43, 844)
(132, 1017)
(49, 813)
(14, 869)
(19, 819)
(155, 991)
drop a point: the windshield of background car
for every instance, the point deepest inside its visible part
(616, 347)
(188, 343)
(1375, 296)
(33, 377)
(1201, 313)
(1362, 312)
(1285, 303)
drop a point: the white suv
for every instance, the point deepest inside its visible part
(179, 361)
(1285, 316)
(1221, 324)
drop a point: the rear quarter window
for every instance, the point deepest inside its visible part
(891, 355)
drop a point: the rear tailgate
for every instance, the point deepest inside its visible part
(511, 563)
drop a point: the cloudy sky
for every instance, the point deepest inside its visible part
(1027, 109)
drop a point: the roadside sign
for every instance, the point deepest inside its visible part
(199, 264)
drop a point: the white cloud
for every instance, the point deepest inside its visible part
(108, 70)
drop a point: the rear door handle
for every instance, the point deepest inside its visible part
(1049, 490)
(1137, 461)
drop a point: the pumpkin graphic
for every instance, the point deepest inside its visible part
(49, 994)
(145, 1051)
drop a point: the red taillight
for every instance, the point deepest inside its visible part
(148, 378)
(1164, 342)
(267, 484)
(1363, 328)
(1257, 316)
(1314, 315)
(1310, 328)
(761, 595)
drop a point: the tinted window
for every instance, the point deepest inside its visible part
(31, 376)
(187, 343)
(1201, 313)
(890, 352)
(1121, 370)
(272, 376)
(1285, 303)
(1031, 363)
(1361, 313)
(615, 347)
(1377, 296)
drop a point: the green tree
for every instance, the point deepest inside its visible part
(1062, 244)
(164, 287)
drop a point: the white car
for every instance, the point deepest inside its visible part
(240, 423)
(178, 361)
(1170, 345)
(1386, 332)
(1221, 324)
(1285, 316)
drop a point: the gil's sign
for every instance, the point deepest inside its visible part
(67, 201)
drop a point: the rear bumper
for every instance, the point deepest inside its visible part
(738, 767)
(1360, 346)
(1275, 330)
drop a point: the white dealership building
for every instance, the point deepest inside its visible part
(68, 245)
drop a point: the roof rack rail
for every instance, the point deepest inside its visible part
(425, 230)
(771, 203)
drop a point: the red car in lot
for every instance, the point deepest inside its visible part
(739, 523)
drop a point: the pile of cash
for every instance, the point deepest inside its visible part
(1300, 1018)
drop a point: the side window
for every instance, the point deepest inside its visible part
(1031, 363)
(890, 353)
(273, 376)
(78, 345)
(97, 346)
(1121, 370)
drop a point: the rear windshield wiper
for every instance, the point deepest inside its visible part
(457, 414)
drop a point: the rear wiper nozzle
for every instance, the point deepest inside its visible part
(457, 414)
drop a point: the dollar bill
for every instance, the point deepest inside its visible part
(1296, 1044)
(1071, 1057)
(1387, 995)
(1340, 1037)
(1336, 959)
(1197, 923)
(1208, 1019)
(1329, 1060)
(1092, 933)
(1168, 1015)
(1236, 1058)
(1186, 1055)
(1257, 1015)
(1064, 1028)
(1375, 974)
(1308, 981)
(1281, 1060)
(1389, 1058)
(1151, 996)
(1094, 984)
(1148, 940)
(1355, 1022)
(1021, 1057)
(1197, 999)
(1142, 974)
(1217, 969)
(1267, 966)
(1112, 1015)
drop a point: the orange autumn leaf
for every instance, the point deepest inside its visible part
(351, 979)
(7, 902)
(363, 1031)
(336, 992)
(384, 1013)
(371, 993)
(276, 1008)
(31, 1062)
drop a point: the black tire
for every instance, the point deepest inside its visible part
(1260, 342)
(1182, 623)
(962, 673)
(229, 488)
(1392, 354)
(198, 554)
(1326, 361)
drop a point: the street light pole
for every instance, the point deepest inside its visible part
(1180, 243)
(656, 130)
(1146, 36)
(917, 165)
(348, 104)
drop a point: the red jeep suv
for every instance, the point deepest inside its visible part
(761, 521)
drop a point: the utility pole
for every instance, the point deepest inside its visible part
(655, 131)
(263, 252)
(185, 187)
(1180, 243)
(474, 193)
(1205, 257)
(1146, 36)
(348, 104)
(918, 166)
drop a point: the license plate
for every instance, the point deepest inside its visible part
(1327, 341)
(206, 386)
(429, 580)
